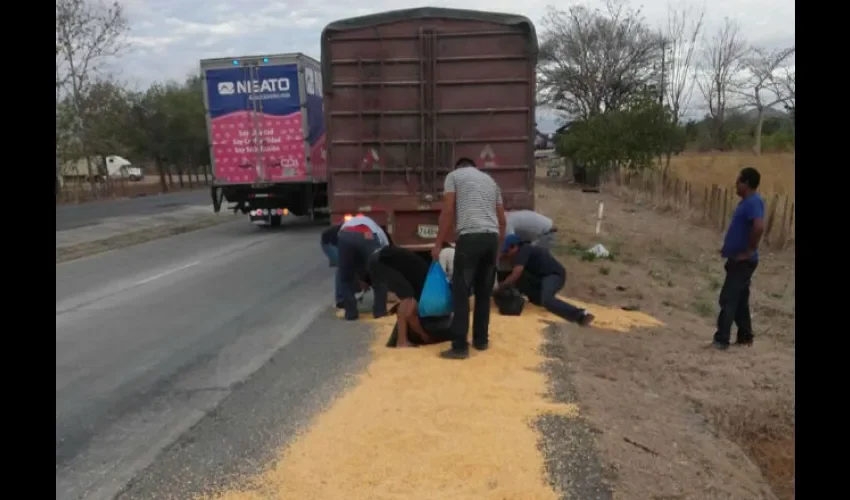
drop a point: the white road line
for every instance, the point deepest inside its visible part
(166, 273)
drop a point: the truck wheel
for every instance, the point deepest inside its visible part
(275, 220)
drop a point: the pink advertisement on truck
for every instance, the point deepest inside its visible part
(256, 125)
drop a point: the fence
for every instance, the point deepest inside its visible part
(710, 205)
(81, 190)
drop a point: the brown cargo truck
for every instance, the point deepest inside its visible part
(409, 94)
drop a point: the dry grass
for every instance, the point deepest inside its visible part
(82, 193)
(719, 424)
(705, 169)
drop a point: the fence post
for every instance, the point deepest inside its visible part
(771, 219)
(725, 208)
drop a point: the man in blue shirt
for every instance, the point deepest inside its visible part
(740, 249)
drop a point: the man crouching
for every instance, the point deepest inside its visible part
(404, 273)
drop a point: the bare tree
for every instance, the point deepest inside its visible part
(681, 41)
(763, 87)
(593, 60)
(88, 34)
(722, 61)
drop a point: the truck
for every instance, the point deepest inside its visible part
(266, 134)
(411, 93)
(113, 166)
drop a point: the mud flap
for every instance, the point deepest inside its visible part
(217, 196)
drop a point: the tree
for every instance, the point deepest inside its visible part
(592, 61)
(680, 42)
(722, 60)
(763, 88)
(629, 138)
(88, 34)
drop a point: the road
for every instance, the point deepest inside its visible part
(172, 337)
(85, 214)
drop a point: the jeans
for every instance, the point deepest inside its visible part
(542, 291)
(735, 302)
(332, 254)
(354, 251)
(475, 270)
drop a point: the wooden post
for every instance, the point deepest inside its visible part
(771, 216)
(723, 216)
(706, 203)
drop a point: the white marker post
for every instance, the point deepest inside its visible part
(601, 207)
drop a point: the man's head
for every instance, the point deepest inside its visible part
(748, 181)
(511, 245)
(464, 162)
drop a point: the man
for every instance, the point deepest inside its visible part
(329, 244)
(740, 249)
(539, 276)
(473, 208)
(358, 238)
(403, 273)
(532, 227)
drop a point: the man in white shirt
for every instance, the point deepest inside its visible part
(358, 238)
(531, 227)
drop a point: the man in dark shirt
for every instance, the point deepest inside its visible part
(740, 249)
(539, 276)
(404, 273)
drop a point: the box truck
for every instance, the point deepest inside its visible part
(267, 135)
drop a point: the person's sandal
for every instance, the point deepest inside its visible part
(587, 319)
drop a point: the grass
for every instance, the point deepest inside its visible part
(723, 422)
(722, 168)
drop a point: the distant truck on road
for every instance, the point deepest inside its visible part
(267, 135)
(410, 93)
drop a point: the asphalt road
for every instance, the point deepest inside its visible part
(184, 362)
(86, 214)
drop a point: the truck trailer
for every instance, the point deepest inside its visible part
(409, 94)
(266, 133)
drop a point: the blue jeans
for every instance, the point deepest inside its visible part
(354, 252)
(542, 291)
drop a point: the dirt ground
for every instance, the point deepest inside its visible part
(672, 418)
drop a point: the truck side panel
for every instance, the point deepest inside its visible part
(315, 129)
(255, 123)
(409, 97)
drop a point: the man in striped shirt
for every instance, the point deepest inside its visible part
(473, 205)
(358, 238)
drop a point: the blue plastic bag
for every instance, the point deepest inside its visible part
(436, 299)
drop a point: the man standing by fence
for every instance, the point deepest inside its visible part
(473, 205)
(740, 249)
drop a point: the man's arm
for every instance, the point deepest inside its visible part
(447, 214)
(500, 215)
(520, 261)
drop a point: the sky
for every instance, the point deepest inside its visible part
(169, 37)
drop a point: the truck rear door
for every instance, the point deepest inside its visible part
(411, 93)
(255, 126)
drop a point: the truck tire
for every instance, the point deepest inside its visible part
(275, 220)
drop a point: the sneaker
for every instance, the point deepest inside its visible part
(483, 346)
(745, 342)
(454, 354)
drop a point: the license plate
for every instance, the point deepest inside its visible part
(427, 231)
